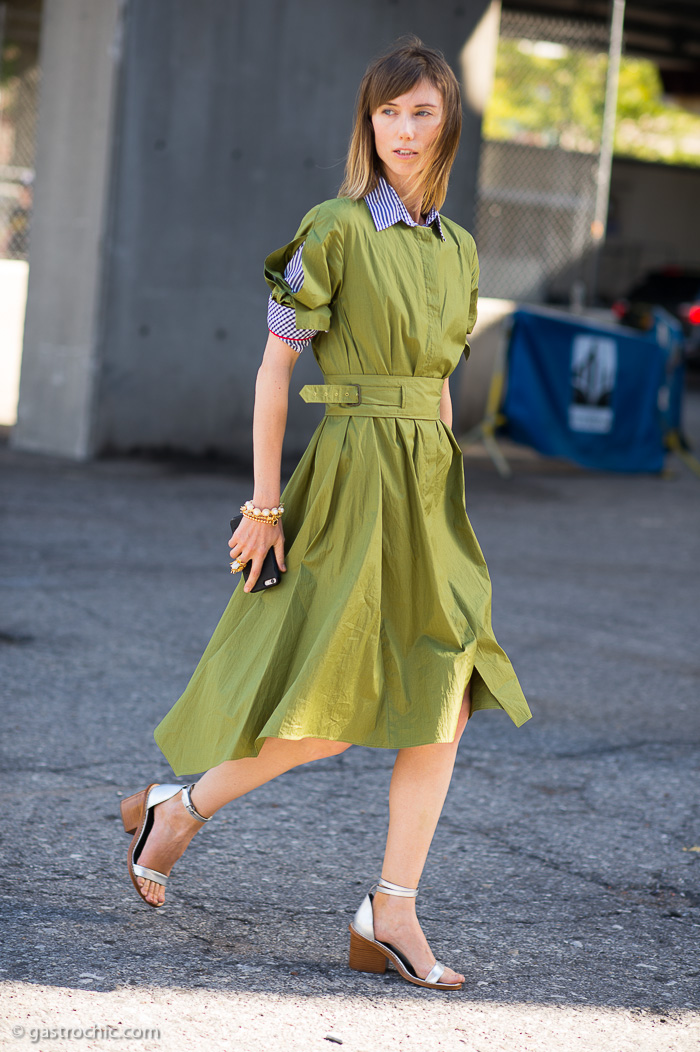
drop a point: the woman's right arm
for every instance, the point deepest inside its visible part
(253, 539)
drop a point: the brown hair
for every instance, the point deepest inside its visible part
(389, 76)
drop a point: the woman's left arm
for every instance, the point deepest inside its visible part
(446, 403)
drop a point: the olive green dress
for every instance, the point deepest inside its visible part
(384, 613)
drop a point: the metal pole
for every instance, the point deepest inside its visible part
(607, 140)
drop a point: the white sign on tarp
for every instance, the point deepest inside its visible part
(593, 374)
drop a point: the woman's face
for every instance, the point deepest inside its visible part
(405, 128)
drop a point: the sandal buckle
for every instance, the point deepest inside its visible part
(189, 806)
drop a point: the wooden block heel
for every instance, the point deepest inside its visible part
(364, 957)
(132, 810)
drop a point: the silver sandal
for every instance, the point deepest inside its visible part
(137, 816)
(367, 954)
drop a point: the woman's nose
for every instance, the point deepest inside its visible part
(406, 129)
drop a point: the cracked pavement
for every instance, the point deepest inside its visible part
(563, 877)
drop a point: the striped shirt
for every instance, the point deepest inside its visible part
(386, 209)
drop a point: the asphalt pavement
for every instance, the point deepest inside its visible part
(563, 877)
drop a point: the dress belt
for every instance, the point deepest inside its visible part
(362, 394)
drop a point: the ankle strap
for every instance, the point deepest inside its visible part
(387, 888)
(189, 806)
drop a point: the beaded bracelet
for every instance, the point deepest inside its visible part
(271, 516)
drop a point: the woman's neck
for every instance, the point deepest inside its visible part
(412, 200)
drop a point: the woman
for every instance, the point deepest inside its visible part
(380, 632)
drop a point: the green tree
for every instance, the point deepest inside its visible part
(547, 95)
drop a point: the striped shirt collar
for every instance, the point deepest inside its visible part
(387, 208)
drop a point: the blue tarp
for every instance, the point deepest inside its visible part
(600, 395)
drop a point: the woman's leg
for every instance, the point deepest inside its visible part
(173, 827)
(417, 793)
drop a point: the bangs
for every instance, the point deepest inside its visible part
(391, 83)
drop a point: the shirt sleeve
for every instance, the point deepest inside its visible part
(307, 282)
(281, 320)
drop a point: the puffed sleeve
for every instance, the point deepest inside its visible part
(322, 265)
(474, 295)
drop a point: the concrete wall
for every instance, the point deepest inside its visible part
(234, 121)
(78, 61)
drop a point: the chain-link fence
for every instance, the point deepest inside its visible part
(539, 158)
(19, 105)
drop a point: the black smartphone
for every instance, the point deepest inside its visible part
(270, 573)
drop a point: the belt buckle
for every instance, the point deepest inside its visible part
(359, 395)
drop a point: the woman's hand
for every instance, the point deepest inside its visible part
(251, 541)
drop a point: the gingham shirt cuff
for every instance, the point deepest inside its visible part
(281, 320)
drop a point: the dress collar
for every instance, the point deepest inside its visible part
(387, 208)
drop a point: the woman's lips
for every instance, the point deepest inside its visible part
(406, 153)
